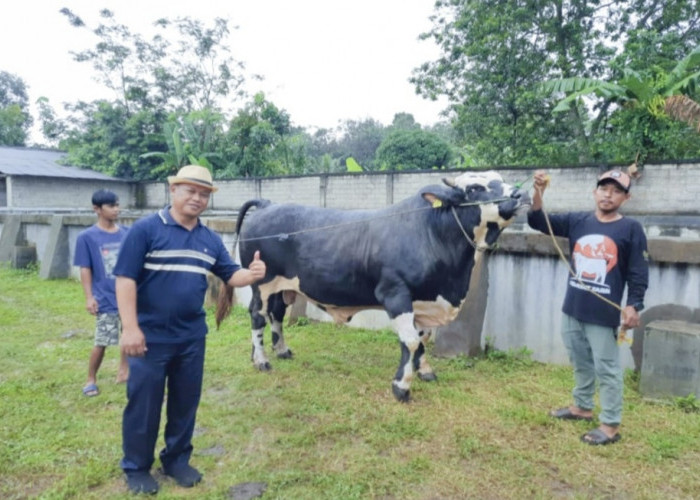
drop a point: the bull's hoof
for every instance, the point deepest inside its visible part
(427, 377)
(286, 354)
(264, 367)
(401, 395)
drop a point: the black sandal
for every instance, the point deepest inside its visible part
(566, 414)
(598, 437)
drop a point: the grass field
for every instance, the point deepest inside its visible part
(323, 425)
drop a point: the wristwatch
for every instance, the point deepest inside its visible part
(638, 306)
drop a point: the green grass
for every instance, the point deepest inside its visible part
(323, 425)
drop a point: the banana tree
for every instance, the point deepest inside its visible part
(654, 92)
(188, 142)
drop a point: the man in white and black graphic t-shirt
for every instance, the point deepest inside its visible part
(608, 251)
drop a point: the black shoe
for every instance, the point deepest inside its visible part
(184, 475)
(141, 482)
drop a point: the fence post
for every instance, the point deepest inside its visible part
(56, 261)
(11, 236)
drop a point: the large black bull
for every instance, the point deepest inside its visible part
(413, 259)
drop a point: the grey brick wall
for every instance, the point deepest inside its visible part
(662, 189)
(155, 194)
(407, 184)
(302, 190)
(670, 189)
(232, 194)
(48, 192)
(356, 191)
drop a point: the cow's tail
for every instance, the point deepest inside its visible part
(226, 297)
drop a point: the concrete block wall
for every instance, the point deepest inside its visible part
(301, 190)
(663, 189)
(48, 192)
(407, 184)
(356, 191)
(155, 194)
(232, 194)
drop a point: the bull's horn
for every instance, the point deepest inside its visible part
(449, 182)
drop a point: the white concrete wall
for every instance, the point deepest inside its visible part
(526, 293)
(356, 191)
(301, 190)
(408, 184)
(663, 189)
(232, 194)
(49, 192)
(155, 193)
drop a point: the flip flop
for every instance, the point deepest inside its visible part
(598, 437)
(90, 390)
(566, 414)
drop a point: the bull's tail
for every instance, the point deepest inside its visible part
(226, 297)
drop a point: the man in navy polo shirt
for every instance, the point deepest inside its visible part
(160, 284)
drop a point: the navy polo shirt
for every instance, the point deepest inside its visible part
(170, 264)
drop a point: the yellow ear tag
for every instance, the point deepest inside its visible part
(437, 203)
(547, 178)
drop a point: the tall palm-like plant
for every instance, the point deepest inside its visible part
(189, 141)
(655, 91)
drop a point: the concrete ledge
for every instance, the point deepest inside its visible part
(530, 243)
(670, 250)
(674, 251)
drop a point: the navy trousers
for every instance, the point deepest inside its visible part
(180, 367)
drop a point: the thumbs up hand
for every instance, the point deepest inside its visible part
(257, 268)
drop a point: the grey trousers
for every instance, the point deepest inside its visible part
(594, 354)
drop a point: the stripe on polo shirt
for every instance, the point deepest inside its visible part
(189, 254)
(175, 267)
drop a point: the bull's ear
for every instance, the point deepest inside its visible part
(449, 182)
(439, 196)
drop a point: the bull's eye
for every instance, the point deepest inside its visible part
(475, 188)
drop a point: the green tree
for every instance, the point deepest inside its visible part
(15, 120)
(103, 136)
(261, 142)
(360, 140)
(153, 81)
(52, 127)
(190, 139)
(323, 153)
(413, 149)
(495, 54)
(404, 121)
(640, 108)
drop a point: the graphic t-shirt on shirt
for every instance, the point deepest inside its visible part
(98, 250)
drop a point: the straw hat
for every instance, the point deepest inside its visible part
(195, 175)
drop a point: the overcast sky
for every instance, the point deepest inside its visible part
(323, 60)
